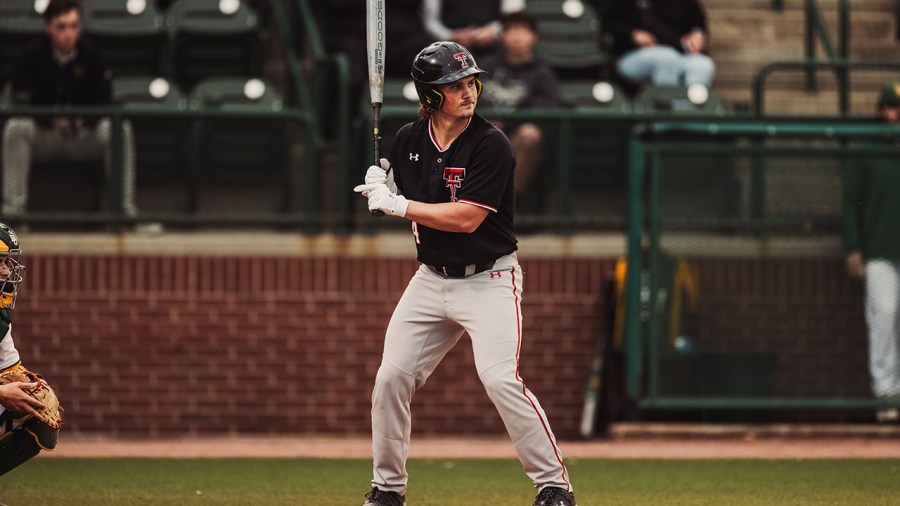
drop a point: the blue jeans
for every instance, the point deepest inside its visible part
(664, 66)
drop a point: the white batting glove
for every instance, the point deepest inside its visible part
(383, 198)
(382, 174)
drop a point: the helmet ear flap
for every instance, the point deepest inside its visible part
(429, 95)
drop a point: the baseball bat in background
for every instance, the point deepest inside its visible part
(375, 43)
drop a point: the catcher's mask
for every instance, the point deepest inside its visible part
(9, 255)
(441, 63)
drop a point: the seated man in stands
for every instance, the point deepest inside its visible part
(662, 43)
(61, 69)
(518, 79)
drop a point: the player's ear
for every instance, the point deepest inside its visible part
(478, 85)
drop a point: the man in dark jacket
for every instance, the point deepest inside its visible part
(61, 69)
(661, 42)
(871, 211)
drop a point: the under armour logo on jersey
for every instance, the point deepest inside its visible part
(414, 157)
(462, 60)
(496, 274)
(454, 177)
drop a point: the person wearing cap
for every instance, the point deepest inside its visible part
(451, 174)
(871, 211)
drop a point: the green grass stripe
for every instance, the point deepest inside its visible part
(439, 482)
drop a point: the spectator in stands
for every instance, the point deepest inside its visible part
(516, 79)
(473, 23)
(660, 42)
(871, 214)
(61, 69)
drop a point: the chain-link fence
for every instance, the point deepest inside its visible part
(743, 299)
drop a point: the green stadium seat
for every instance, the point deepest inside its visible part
(161, 143)
(596, 146)
(594, 95)
(213, 38)
(241, 151)
(569, 37)
(131, 35)
(20, 23)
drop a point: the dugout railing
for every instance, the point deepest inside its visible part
(299, 210)
(741, 300)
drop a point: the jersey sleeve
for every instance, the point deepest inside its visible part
(489, 171)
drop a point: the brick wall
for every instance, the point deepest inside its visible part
(171, 345)
(161, 346)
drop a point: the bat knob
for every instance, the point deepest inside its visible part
(378, 213)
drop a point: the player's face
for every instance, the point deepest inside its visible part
(63, 31)
(460, 97)
(4, 268)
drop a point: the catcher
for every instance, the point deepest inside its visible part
(29, 410)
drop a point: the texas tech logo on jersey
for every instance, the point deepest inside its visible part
(454, 177)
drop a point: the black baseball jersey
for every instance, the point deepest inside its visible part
(477, 168)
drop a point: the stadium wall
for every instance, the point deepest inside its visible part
(152, 345)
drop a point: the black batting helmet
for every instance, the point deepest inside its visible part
(441, 63)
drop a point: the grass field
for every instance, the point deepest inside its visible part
(436, 482)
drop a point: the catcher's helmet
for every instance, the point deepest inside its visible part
(9, 254)
(441, 63)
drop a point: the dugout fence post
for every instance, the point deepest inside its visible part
(632, 335)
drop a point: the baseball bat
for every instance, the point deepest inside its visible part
(375, 43)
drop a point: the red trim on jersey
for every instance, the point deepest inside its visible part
(434, 141)
(479, 204)
(544, 423)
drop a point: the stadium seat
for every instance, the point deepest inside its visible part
(20, 23)
(161, 143)
(213, 38)
(131, 35)
(596, 146)
(569, 37)
(694, 99)
(240, 151)
(594, 95)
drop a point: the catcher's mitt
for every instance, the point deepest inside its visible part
(46, 431)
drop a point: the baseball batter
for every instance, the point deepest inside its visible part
(451, 174)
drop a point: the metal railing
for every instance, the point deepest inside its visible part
(309, 218)
(841, 67)
(649, 151)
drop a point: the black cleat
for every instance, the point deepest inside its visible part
(381, 498)
(554, 496)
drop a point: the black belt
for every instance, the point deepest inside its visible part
(460, 271)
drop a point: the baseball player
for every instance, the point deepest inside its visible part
(29, 412)
(450, 173)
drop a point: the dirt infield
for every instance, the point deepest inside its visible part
(627, 442)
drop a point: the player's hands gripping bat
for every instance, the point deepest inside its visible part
(375, 45)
